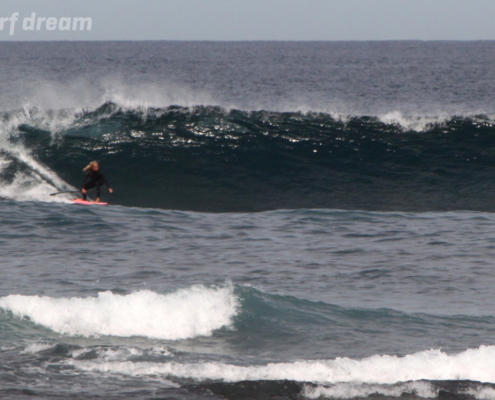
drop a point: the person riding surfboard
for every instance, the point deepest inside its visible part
(94, 178)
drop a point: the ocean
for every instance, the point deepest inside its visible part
(290, 220)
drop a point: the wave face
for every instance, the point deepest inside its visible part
(213, 159)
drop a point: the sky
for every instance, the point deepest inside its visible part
(247, 20)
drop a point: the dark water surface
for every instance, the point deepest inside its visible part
(289, 220)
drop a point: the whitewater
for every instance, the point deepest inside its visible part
(304, 220)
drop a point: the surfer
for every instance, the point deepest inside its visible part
(94, 178)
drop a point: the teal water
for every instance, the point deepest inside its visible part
(155, 298)
(289, 221)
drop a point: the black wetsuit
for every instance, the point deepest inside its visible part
(94, 179)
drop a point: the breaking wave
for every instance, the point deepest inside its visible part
(214, 159)
(186, 313)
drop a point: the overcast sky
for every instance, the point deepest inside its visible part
(252, 19)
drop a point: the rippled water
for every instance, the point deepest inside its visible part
(336, 244)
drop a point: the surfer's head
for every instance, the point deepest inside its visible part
(93, 165)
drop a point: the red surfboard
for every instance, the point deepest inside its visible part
(85, 202)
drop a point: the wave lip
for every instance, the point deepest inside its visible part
(186, 313)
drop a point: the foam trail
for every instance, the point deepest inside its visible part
(35, 185)
(358, 390)
(187, 313)
(37, 181)
(472, 364)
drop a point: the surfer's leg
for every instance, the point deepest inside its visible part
(98, 192)
(85, 189)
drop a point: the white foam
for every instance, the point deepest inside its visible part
(37, 182)
(76, 353)
(108, 353)
(186, 313)
(121, 353)
(161, 351)
(37, 348)
(417, 124)
(358, 390)
(473, 364)
(484, 393)
(29, 187)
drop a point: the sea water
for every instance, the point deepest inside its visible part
(289, 220)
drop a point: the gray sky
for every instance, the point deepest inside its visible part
(253, 19)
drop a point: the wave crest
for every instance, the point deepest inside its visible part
(186, 313)
(431, 365)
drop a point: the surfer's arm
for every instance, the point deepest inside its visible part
(104, 180)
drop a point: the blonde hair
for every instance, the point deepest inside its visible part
(89, 166)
